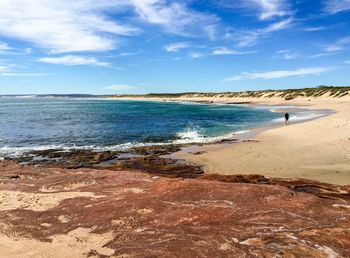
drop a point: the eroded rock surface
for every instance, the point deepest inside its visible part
(104, 213)
(160, 166)
(79, 158)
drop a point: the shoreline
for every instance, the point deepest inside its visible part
(304, 149)
(240, 135)
(316, 149)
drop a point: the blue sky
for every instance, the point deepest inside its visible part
(142, 46)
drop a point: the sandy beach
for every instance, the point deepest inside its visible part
(318, 149)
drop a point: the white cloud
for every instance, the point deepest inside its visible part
(333, 48)
(62, 26)
(6, 49)
(121, 87)
(129, 53)
(23, 74)
(87, 25)
(266, 9)
(7, 70)
(227, 51)
(278, 26)
(234, 78)
(249, 38)
(195, 55)
(211, 30)
(336, 6)
(338, 45)
(310, 29)
(174, 17)
(319, 55)
(288, 54)
(175, 47)
(272, 8)
(4, 46)
(3, 68)
(280, 74)
(73, 60)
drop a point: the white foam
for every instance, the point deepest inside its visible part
(193, 136)
(7, 151)
(298, 117)
(190, 135)
(25, 97)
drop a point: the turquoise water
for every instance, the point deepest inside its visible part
(42, 123)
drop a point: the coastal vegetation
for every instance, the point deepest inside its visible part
(287, 94)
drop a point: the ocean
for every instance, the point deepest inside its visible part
(45, 123)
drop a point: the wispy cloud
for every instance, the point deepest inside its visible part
(7, 50)
(7, 70)
(265, 9)
(318, 28)
(278, 25)
(3, 68)
(4, 46)
(287, 54)
(73, 60)
(272, 8)
(174, 16)
(280, 74)
(250, 38)
(129, 53)
(195, 55)
(175, 47)
(6, 67)
(121, 87)
(227, 51)
(336, 6)
(338, 45)
(23, 74)
(319, 55)
(87, 25)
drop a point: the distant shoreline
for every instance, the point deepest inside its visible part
(287, 94)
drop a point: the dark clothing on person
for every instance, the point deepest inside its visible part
(286, 116)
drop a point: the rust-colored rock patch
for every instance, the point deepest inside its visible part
(128, 213)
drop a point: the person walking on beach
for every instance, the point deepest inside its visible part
(286, 116)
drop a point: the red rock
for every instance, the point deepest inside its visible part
(171, 217)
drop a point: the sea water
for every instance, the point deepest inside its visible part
(45, 123)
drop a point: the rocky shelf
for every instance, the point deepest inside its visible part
(105, 213)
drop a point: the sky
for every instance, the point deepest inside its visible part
(144, 46)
